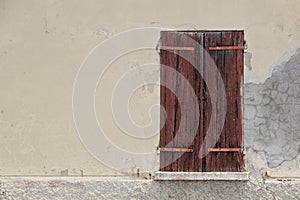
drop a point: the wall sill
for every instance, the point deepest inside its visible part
(201, 176)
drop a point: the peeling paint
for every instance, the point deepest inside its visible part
(101, 31)
(248, 57)
(271, 113)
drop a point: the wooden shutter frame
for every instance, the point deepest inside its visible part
(236, 50)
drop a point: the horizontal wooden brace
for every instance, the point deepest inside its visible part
(176, 149)
(224, 149)
(226, 48)
(177, 48)
(218, 48)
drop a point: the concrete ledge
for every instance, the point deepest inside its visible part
(201, 176)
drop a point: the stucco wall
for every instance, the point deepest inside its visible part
(43, 44)
(271, 122)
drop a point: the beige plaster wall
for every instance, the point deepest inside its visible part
(43, 43)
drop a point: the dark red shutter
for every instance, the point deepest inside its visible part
(226, 50)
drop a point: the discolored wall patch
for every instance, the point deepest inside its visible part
(272, 116)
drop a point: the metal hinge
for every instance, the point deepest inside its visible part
(224, 149)
(222, 48)
(173, 48)
(174, 149)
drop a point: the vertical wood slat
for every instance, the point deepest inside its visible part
(212, 39)
(234, 86)
(168, 59)
(240, 72)
(163, 115)
(231, 135)
(205, 104)
(186, 161)
(228, 129)
(222, 139)
(225, 71)
(199, 52)
(177, 112)
(220, 65)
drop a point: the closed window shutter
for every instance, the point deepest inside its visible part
(226, 50)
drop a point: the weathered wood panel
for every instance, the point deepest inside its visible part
(168, 99)
(225, 49)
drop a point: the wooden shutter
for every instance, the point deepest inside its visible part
(226, 50)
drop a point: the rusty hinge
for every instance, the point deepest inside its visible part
(174, 149)
(220, 48)
(177, 48)
(224, 149)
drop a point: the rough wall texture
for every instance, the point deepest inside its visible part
(122, 188)
(271, 137)
(42, 46)
(271, 118)
(43, 43)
